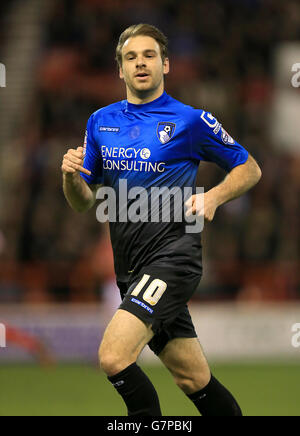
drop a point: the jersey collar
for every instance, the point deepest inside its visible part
(158, 103)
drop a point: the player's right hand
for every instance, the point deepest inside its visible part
(73, 162)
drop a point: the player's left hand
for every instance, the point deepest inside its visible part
(202, 205)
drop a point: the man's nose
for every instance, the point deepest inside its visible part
(140, 61)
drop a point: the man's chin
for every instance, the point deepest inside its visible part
(143, 89)
(144, 86)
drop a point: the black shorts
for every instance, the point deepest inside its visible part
(158, 295)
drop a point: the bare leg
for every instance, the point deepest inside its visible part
(185, 360)
(123, 341)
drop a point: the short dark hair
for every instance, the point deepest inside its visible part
(142, 30)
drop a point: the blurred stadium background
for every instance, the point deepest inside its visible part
(233, 58)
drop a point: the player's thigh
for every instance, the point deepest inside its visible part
(124, 338)
(185, 359)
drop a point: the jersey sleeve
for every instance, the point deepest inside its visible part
(93, 158)
(211, 142)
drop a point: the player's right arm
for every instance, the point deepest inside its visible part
(80, 196)
(82, 172)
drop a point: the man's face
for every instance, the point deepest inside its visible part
(142, 66)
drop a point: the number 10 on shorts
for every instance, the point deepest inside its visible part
(154, 291)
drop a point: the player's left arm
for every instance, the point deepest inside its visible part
(212, 143)
(238, 181)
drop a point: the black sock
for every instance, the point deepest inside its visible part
(137, 391)
(215, 400)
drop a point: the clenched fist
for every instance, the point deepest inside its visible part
(73, 162)
(203, 205)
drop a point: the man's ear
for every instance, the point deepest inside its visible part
(121, 75)
(166, 66)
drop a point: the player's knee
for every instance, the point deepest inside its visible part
(111, 362)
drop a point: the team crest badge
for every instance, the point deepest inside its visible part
(165, 131)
